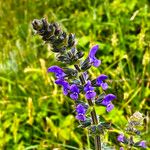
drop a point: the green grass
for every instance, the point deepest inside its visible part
(34, 114)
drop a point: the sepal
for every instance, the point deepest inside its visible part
(86, 64)
(86, 123)
(70, 72)
(100, 99)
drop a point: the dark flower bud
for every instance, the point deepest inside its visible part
(57, 29)
(126, 141)
(58, 49)
(137, 132)
(70, 72)
(37, 24)
(70, 55)
(73, 51)
(133, 130)
(86, 64)
(76, 81)
(71, 40)
(79, 55)
(63, 58)
(93, 82)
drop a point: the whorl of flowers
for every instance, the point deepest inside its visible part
(75, 82)
(131, 131)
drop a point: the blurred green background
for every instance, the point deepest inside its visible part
(34, 114)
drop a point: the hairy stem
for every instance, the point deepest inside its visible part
(97, 138)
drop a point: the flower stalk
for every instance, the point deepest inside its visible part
(97, 138)
(77, 81)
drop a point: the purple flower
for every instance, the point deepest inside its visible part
(81, 117)
(110, 106)
(80, 109)
(90, 93)
(99, 81)
(74, 91)
(59, 73)
(121, 148)
(107, 102)
(120, 138)
(142, 144)
(64, 84)
(93, 60)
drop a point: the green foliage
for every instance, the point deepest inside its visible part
(34, 114)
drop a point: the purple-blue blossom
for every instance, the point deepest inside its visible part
(107, 102)
(109, 107)
(121, 148)
(64, 84)
(93, 60)
(81, 117)
(81, 110)
(89, 90)
(59, 73)
(142, 144)
(100, 81)
(120, 138)
(74, 91)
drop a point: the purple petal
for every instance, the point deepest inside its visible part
(102, 77)
(74, 88)
(120, 138)
(90, 94)
(99, 81)
(121, 148)
(74, 96)
(93, 51)
(143, 144)
(96, 62)
(59, 73)
(80, 109)
(92, 57)
(65, 91)
(81, 117)
(110, 106)
(64, 84)
(104, 86)
(88, 87)
(107, 99)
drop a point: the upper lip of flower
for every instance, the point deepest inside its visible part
(92, 57)
(99, 81)
(59, 73)
(74, 90)
(108, 98)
